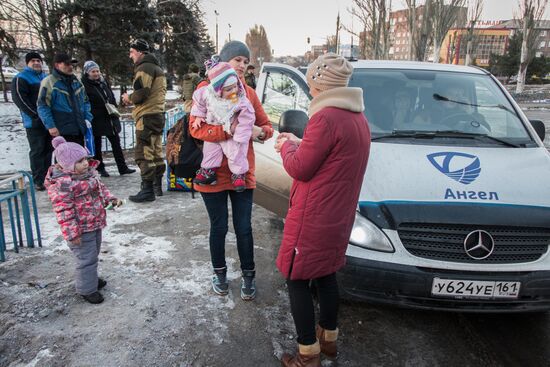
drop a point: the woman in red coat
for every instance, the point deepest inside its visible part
(327, 166)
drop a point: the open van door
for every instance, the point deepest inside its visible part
(280, 88)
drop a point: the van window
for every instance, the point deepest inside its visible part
(282, 93)
(427, 101)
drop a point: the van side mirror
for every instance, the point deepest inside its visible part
(539, 127)
(293, 121)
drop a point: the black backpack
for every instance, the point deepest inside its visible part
(190, 153)
(183, 152)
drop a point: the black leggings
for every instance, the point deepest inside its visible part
(303, 312)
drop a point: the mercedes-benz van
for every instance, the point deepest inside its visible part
(454, 211)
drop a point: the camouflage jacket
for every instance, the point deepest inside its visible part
(149, 96)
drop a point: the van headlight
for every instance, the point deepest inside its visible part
(367, 235)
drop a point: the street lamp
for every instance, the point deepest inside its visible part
(229, 24)
(216, 12)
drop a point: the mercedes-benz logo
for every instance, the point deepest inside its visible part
(479, 245)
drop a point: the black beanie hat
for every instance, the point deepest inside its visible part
(193, 68)
(32, 55)
(140, 45)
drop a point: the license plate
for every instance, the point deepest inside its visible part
(475, 289)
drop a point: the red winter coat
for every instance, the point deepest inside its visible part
(78, 201)
(328, 168)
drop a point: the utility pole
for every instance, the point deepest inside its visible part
(216, 12)
(229, 24)
(337, 31)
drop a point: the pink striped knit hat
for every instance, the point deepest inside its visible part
(220, 75)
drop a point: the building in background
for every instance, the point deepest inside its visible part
(543, 43)
(491, 37)
(489, 41)
(399, 30)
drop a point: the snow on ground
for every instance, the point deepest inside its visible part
(159, 308)
(14, 148)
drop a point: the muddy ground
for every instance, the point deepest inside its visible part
(160, 310)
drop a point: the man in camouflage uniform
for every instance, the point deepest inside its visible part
(190, 82)
(149, 99)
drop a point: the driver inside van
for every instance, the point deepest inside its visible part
(451, 108)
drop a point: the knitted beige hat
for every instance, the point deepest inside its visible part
(329, 71)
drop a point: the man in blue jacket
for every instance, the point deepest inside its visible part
(24, 90)
(63, 104)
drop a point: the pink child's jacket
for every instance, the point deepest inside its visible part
(78, 200)
(244, 111)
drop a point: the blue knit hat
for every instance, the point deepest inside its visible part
(89, 66)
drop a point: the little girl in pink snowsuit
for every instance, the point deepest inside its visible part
(79, 199)
(224, 102)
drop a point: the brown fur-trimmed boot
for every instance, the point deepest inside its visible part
(327, 340)
(308, 356)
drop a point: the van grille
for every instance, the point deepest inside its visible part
(445, 242)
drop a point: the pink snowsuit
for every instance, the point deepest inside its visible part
(235, 148)
(78, 202)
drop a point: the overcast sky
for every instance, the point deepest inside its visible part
(288, 23)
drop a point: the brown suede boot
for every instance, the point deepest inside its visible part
(327, 340)
(308, 356)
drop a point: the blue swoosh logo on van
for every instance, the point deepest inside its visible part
(468, 171)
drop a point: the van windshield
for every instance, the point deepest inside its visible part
(404, 103)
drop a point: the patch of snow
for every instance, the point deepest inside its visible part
(172, 95)
(13, 143)
(44, 353)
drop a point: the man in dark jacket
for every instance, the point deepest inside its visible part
(149, 98)
(63, 105)
(24, 91)
(190, 82)
(104, 123)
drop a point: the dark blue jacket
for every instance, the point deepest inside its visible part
(63, 103)
(24, 91)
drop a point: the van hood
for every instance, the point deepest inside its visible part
(406, 182)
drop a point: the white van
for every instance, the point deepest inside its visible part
(454, 211)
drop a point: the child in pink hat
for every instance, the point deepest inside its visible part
(224, 102)
(79, 199)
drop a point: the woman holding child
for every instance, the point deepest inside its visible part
(229, 180)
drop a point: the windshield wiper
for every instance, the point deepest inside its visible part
(439, 97)
(462, 134)
(442, 134)
(395, 134)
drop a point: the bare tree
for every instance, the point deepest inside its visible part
(424, 36)
(7, 49)
(411, 22)
(531, 12)
(420, 25)
(37, 14)
(257, 42)
(445, 15)
(475, 9)
(374, 18)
